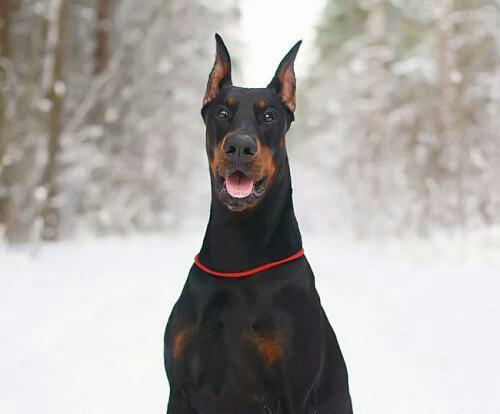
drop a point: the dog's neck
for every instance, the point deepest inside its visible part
(265, 233)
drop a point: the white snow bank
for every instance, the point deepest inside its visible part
(81, 325)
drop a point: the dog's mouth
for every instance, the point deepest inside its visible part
(238, 185)
(238, 190)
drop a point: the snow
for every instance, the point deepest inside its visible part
(81, 323)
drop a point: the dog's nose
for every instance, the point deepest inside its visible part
(240, 147)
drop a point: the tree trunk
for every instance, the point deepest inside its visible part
(55, 95)
(101, 53)
(5, 9)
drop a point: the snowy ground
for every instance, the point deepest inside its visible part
(81, 324)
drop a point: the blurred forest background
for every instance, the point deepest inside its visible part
(397, 131)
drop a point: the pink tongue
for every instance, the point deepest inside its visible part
(239, 185)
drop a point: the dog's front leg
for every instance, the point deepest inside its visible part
(267, 409)
(178, 403)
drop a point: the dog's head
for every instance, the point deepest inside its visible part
(245, 130)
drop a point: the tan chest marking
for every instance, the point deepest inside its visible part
(269, 347)
(181, 340)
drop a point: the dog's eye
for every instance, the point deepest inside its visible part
(222, 113)
(268, 116)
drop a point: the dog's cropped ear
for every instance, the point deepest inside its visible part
(283, 82)
(221, 72)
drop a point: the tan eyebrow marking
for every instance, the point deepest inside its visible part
(262, 103)
(229, 101)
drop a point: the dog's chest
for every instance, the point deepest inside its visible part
(227, 324)
(232, 344)
(232, 338)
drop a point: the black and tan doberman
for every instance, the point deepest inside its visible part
(248, 334)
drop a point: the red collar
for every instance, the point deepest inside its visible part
(249, 272)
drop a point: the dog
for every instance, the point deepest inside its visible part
(248, 334)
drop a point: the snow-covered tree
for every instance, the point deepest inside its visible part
(99, 112)
(403, 108)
